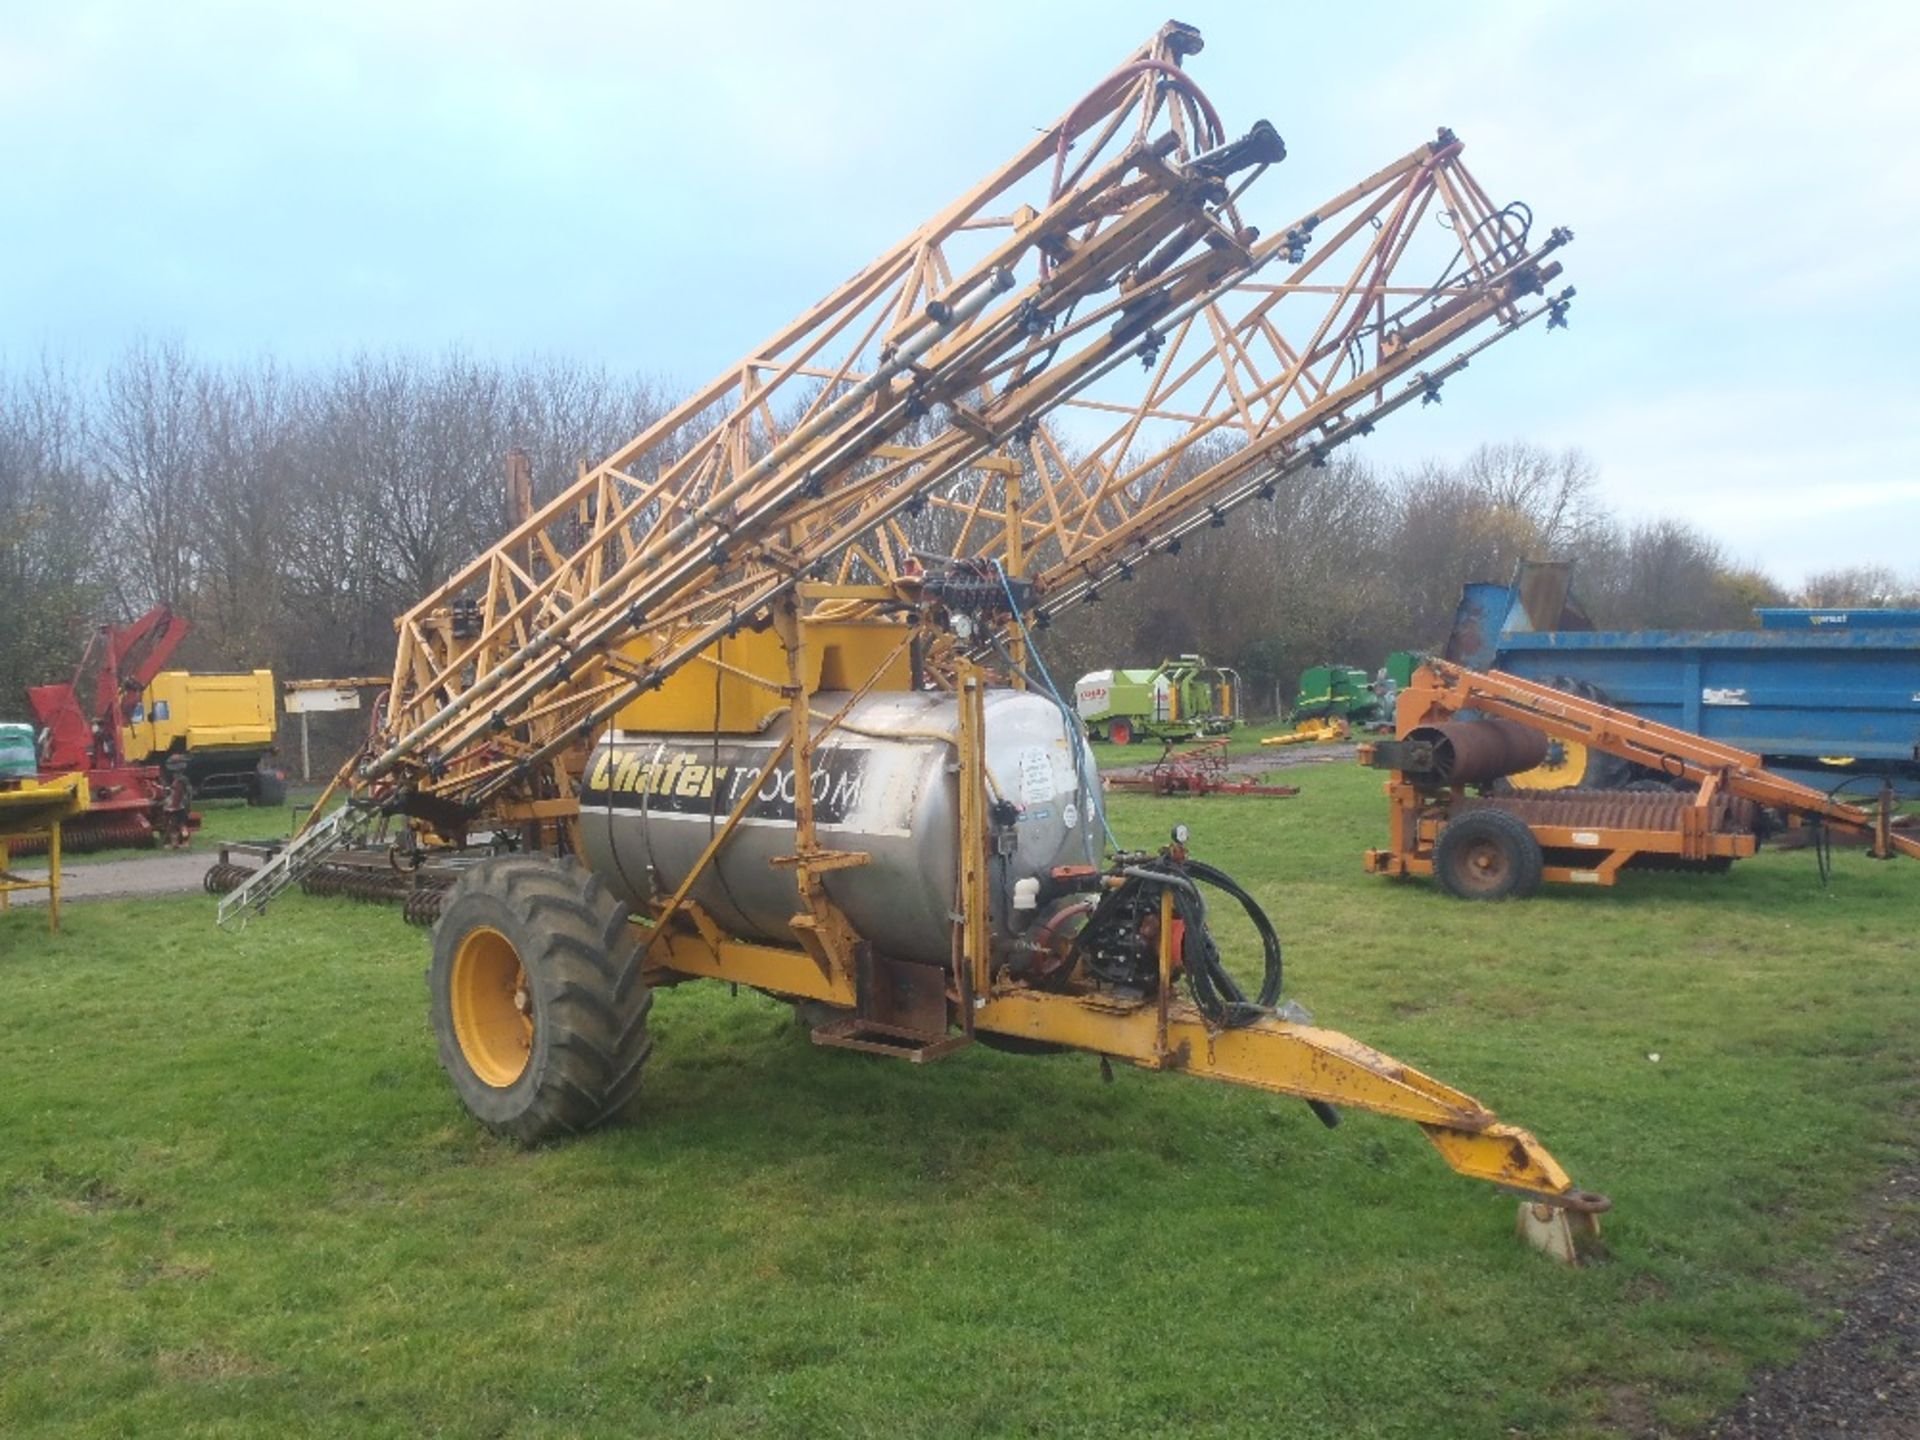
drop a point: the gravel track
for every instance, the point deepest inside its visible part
(165, 873)
(1862, 1378)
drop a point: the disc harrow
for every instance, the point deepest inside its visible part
(370, 877)
(91, 833)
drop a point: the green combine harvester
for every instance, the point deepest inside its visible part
(1181, 699)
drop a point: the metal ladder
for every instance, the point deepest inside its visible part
(306, 850)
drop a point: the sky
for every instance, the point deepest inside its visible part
(657, 186)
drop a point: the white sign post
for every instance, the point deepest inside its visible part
(307, 702)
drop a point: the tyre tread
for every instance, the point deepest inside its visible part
(581, 954)
(1529, 859)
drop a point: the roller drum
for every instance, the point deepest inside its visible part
(1474, 752)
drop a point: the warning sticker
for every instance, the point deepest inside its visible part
(1036, 776)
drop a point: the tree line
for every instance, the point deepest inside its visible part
(1348, 563)
(290, 514)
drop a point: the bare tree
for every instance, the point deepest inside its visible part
(244, 493)
(1555, 491)
(1660, 575)
(50, 533)
(294, 514)
(151, 451)
(1859, 586)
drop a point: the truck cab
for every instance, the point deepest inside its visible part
(224, 723)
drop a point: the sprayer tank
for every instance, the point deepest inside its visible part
(885, 782)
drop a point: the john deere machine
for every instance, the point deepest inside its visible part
(1334, 692)
(761, 694)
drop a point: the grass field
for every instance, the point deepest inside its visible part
(221, 822)
(237, 1197)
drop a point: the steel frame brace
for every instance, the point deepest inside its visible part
(1273, 1055)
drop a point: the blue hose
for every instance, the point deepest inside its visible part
(1083, 754)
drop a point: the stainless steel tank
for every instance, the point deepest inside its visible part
(884, 782)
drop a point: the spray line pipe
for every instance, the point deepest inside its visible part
(1346, 429)
(660, 669)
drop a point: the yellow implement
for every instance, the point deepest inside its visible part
(1313, 732)
(30, 809)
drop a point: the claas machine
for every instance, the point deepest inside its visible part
(1180, 699)
(762, 697)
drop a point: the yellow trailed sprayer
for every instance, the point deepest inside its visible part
(761, 695)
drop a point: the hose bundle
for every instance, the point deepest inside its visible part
(1216, 993)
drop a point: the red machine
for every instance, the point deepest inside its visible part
(129, 801)
(1199, 771)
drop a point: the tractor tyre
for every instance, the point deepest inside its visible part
(269, 789)
(1120, 732)
(536, 999)
(1488, 855)
(1596, 769)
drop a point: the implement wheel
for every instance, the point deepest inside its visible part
(269, 789)
(1488, 855)
(536, 998)
(1120, 732)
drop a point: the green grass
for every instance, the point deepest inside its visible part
(221, 822)
(237, 1197)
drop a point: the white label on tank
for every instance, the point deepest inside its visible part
(1586, 837)
(1711, 696)
(1070, 817)
(1036, 776)
(1584, 877)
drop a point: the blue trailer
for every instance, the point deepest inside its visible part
(1830, 697)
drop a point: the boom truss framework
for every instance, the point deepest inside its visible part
(1087, 355)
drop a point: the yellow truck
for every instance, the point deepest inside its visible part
(223, 723)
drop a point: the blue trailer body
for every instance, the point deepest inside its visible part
(1810, 687)
(1830, 619)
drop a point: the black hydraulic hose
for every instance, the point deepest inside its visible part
(1215, 991)
(1272, 974)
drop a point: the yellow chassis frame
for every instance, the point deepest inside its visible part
(1274, 1054)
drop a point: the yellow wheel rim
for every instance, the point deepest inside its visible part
(492, 1007)
(1562, 771)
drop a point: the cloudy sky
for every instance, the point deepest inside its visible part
(656, 186)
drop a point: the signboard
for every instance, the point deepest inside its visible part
(304, 702)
